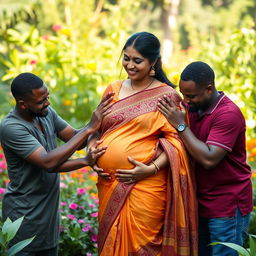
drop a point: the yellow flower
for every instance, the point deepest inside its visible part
(67, 102)
(175, 77)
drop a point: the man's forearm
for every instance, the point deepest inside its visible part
(54, 158)
(70, 165)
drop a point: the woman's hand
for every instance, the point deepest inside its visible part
(139, 172)
(101, 111)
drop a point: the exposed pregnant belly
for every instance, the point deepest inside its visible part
(120, 147)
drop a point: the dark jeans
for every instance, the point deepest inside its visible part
(49, 252)
(227, 229)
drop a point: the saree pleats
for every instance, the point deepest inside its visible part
(155, 216)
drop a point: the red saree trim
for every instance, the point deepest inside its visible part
(135, 105)
(112, 210)
(179, 241)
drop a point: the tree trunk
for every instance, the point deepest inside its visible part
(169, 15)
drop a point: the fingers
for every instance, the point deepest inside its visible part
(101, 172)
(104, 175)
(123, 176)
(133, 161)
(107, 97)
(97, 143)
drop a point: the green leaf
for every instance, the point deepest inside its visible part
(19, 246)
(2, 242)
(10, 228)
(252, 244)
(242, 251)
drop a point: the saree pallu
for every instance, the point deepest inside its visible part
(157, 215)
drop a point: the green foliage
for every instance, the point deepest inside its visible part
(242, 251)
(234, 61)
(79, 211)
(7, 233)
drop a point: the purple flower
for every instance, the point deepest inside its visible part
(73, 206)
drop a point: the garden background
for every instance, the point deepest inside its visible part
(75, 46)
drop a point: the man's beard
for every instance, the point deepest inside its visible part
(40, 114)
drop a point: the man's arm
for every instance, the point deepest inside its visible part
(207, 155)
(53, 159)
(74, 164)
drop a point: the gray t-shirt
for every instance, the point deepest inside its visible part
(32, 191)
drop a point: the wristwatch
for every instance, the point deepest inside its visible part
(181, 127)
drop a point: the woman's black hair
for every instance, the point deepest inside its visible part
(148, 46)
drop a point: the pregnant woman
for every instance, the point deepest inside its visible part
(148, 205)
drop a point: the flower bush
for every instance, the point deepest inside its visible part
(78, 209)
(79, 212)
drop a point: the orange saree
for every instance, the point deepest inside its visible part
(155, 216)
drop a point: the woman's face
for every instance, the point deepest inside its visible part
(136, 66)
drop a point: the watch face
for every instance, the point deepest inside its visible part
(181, 127)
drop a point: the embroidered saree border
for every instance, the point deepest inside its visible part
(112, 210)
(177, 240)
(135, 105)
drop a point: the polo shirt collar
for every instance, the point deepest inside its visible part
(211, 109)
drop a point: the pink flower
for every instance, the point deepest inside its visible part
(63, 185)
(88, 254)
(63, 203)
(94, 238)
(81, 191)
(81, 207)
(91, 205)
(89, 227)
(85, 229)
(32, 62)
(56, 27)
(45, 37)
(73, 206)
(61, 228)
(71, 216)
(2, 190)
(94, 214)
(80, 221)
(3, 165)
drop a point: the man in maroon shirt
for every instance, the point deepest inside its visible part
(216, 140)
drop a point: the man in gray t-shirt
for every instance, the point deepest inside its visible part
(28, 137)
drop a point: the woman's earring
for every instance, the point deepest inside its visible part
(152, 71)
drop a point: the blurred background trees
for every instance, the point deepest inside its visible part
(75, 46)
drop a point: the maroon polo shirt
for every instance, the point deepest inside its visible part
(228, 185)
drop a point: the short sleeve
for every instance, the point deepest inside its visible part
(17, 138)
(59, 123)
(225, 129)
